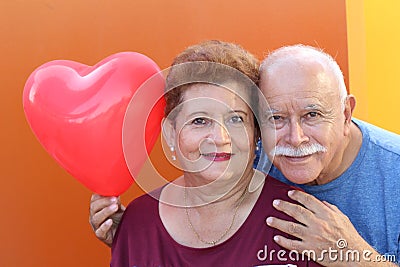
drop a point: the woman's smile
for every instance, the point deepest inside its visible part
(222, 156)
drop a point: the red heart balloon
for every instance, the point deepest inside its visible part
(77, 111)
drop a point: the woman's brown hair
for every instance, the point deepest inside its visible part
(227, 56)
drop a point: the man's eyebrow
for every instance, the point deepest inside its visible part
(313, 106)
(271, 111)
(321, 108)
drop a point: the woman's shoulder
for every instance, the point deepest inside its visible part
(276, 189)
(279, 184)
(273, 182)
(144, 203)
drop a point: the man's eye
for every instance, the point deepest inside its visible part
(312, 114)
(275, 118)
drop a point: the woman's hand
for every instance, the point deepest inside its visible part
(105, 215)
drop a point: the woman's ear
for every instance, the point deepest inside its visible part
(168, 131)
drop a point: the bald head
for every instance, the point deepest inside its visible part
(301, 57)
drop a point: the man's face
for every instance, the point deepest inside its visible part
(306, 113)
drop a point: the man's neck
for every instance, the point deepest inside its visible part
(350, 153)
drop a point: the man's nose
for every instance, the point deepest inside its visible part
(295, 136)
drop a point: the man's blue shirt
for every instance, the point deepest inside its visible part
(368, 192)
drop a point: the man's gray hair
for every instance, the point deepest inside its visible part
(306, 52)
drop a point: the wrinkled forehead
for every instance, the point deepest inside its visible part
(298, 75)
(292, 63)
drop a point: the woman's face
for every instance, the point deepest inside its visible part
(213, 133)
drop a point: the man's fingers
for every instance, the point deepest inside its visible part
(103, 232)
(95, 197)
(331, 206)
(298, 212)
(289, 244)
(98, 218)
(291, 228)
(122, 208)
(98, 203)
(307, 200)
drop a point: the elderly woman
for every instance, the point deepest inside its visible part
(214, 215)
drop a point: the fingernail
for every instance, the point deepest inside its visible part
(290, 193)
(114, 207)
(109, 222)
(276, 202)
(113, 199)
(269, 220)
(276, 238)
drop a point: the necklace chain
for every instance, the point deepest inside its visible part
(213, 242)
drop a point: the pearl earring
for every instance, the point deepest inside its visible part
(172, 148)
(258, 144)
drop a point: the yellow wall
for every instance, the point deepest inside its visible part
(374, 56)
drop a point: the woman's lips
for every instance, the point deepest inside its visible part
(217, 156)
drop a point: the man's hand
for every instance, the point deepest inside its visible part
(322, 228)
(105, 215)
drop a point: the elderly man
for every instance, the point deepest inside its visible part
(339, 160)
(352, 166)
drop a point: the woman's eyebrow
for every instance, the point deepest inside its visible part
(196, 113)
(238, 111)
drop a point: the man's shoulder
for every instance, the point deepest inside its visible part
(379, 137)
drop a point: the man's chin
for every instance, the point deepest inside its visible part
(298, 171)
(300, 178)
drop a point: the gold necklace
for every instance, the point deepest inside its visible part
(214, 242)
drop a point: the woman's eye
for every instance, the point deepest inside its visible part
(237, 119)
(199, 121)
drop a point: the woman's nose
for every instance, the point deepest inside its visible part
(220, 134)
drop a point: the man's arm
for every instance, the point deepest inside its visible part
(324, 230)
(104, 217)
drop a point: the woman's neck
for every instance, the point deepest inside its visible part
(213, 222)
(223, 190)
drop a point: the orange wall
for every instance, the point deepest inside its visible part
(45, 211)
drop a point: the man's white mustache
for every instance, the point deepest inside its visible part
(301, 151)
